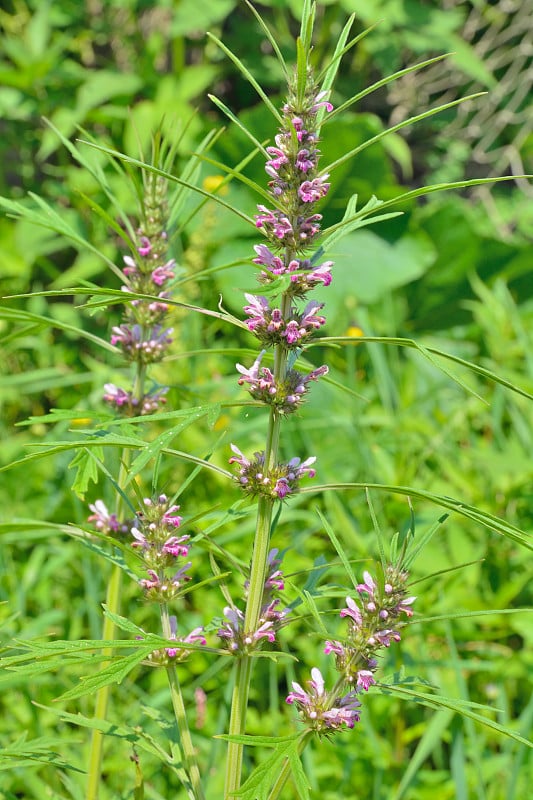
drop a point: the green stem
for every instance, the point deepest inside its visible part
(239, 705)
(114, 588)
(187, 748)
(258, 572)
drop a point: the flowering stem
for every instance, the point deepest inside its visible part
(114, 588)
(239, 703)
(258, 571)
(187, 748)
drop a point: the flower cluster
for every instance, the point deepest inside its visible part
(143, 336)
(369, 630)
(290, 228)
(285, 395)
(168, 655)
(324, 711)
(238, 640)
(106, 522)
(123, 400)
(155, 535)
(370, 625)
(272, 327)
(277, 482)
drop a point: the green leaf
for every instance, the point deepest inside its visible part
(352, 220)
(383, 82)
(47, 217)
(135, 736)
(271, 38)
(464, 509)
(338, 547)
(259, 783)
(33, 753)
(236, 121)
(169, 177)
(411, 121)
(248, 75)
(461, 707)
(18, 315)
(428, 352)
(86, 470)
(115, 672)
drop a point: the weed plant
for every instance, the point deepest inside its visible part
(269, 665)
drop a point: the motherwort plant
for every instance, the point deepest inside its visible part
(284, 316)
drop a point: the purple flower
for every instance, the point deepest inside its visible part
(194, 636)
(323, 710)
(369, 585)
(104, 521)
(311, 191)
(116, 396)
(145, 246)
(279, 160)
(304, 162)
(365, 679)
(298, 468)
(352, 611)
(333, 647)
(131, 269)
(320, 102)
(142, 344)
(164, 273)
(384, 638)
(127, 403)
(345, 713)
(175, 546)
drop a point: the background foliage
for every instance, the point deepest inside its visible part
(452, 272)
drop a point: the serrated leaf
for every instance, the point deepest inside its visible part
(113, 673)
(34, 752)
(260, 782)
(124, 624)
(153, 449)
(86, 470)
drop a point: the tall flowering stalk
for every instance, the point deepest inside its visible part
(143, 338)
(284, 323)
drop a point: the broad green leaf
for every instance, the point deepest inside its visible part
(367, 266)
